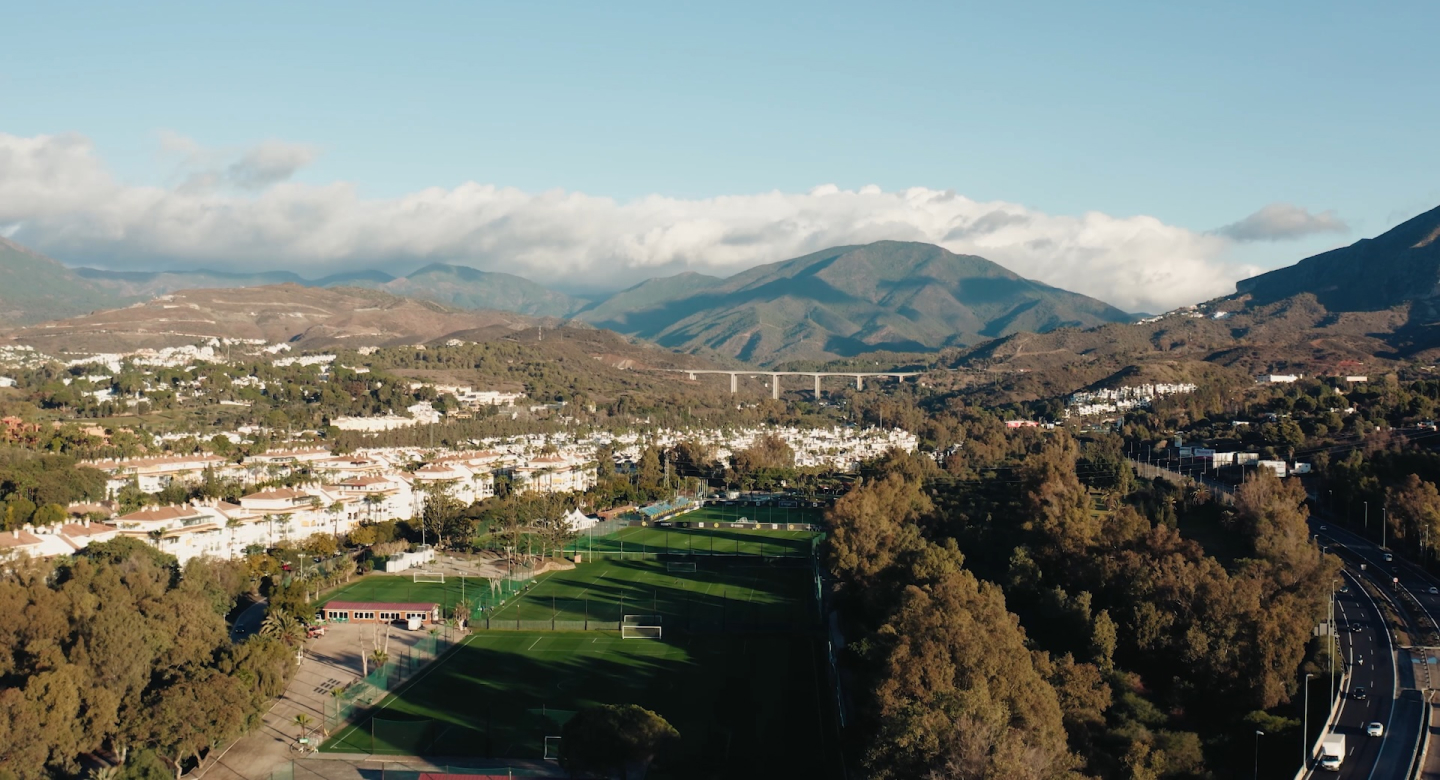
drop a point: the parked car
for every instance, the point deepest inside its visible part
(313, 632)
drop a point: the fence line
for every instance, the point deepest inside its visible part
(357, 700)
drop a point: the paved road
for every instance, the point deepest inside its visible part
(1399, 708)
(1365, 649)
(249, 621)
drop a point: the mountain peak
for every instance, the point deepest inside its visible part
(845, 300)
(1401, 265)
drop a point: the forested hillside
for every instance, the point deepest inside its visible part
(122, 652)
(1042, 617)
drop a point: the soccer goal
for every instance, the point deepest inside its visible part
(680, 566)
(423, 577)
(552, 748)
(640, 627)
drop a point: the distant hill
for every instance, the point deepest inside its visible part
(34, 288)
(890, 295)
(138, 285)
(629, 309)
(1399, 266)
(453, 285)
(468, 288)
(306, 317)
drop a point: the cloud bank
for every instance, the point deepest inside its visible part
(1283, 222)
(245, 212)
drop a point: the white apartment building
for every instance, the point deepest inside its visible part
(455, 479)
(54, 541)
(153, 475)
(554, 474)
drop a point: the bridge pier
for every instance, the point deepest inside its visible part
(859, 382)
(732, 384)
(775, 386)
(817, 388)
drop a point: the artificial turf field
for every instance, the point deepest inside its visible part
(403, 589)
(729, 594)
(742, 700)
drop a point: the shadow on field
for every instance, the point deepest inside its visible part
(745, 706)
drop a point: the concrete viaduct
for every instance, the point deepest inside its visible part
(775, 377)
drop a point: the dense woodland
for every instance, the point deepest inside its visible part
(120, 653)
(1045, 621)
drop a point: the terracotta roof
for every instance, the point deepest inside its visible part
(18, 538)
(94, 529)
(153, 514)
(275, 495)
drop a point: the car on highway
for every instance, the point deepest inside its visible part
(1356, 628)
(1434, 590)
(1389, 557)
(1344, 588)
(1324, 527)
(1375, 729)
(1359, 694)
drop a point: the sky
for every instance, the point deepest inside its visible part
(1148, 154)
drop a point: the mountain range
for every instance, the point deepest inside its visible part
(890, 295)
(839, 302)
(1375, 301)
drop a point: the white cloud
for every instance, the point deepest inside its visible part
(1283, 222)
(243, 212)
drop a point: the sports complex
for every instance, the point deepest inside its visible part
(726, 645)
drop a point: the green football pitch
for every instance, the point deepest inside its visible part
(708, 595)
(749, 702)
(402, 588)
(761, 540)
(739, 701)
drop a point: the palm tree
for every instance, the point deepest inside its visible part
(283, 626)
(232, 524)
(302, 722)
(379, 657)
(270, 528)
(335, 510)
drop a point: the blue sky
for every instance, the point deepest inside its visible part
(1194, 114)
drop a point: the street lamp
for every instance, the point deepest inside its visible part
(1330, 632)
(1258, 735)
(1305, 727)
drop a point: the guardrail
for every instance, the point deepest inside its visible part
(1329, 726)
(1422, 744)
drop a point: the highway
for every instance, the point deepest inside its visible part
(1365, 649)
(1388, 676)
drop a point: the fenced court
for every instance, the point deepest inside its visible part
(777, 540)
(403, 588)
(726, 647)
(739, 700)
(719, 595)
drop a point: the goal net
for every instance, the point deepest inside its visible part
(423, 577)
(552, 748)
(680, 566)
(642, 620)
(639, 632)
